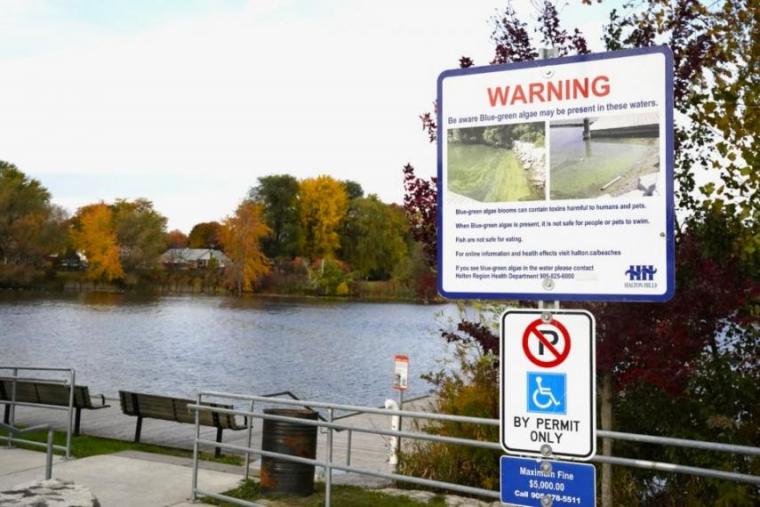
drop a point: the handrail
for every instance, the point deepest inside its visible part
(35, 380)
(12, 403)
(357, 408)
(294, 397)
(331, 426)
(633, 437)
(49, 453)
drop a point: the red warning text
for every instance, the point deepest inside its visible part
(549, 91)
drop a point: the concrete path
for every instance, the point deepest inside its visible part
(367, 450)
(17, 460)
(116, 479)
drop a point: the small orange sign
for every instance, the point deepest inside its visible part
(401, 373)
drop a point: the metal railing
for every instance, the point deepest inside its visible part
(11, 403)
(330, 425)
(13, 430)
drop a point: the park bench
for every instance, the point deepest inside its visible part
(45, 393)
(167, 408)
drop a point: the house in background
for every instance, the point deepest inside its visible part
(194, 258)
(70, 260)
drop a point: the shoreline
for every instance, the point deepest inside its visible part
(219, 294)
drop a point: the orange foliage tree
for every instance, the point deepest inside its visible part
(241, 236)
(177, 239)
(323, 203)
(95, 236)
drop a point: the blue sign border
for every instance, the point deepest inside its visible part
(669, 161)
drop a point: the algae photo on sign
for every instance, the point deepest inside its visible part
(500, 163)
(608, 156)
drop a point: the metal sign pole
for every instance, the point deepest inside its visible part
(400, 407)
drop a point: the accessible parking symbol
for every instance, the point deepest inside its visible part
(547, 393)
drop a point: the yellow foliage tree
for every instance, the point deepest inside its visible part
(323, 203)
(241, 236)
(95, 236)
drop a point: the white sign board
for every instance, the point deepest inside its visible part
(555, 179)
(548, 383)
(401, 373)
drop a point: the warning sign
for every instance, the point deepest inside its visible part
(548, 386)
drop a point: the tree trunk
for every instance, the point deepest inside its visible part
(606, 413)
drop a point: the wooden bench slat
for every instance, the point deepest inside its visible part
(48, 394)
(155, 406)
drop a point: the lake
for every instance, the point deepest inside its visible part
(327, 351)
(580, 169)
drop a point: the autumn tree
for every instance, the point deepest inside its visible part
(205, 235)
(241, 236)
(420, 207)
(278, 194)
(373, 237)
(94, 234)
(323, 202)
(659, 345)
(31, 228)
(176, 239)
(141, 233)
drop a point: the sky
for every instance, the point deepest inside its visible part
(188, 102)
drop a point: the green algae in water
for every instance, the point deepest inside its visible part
(579, 169)
(488, 174)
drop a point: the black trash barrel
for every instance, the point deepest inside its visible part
(282, 476)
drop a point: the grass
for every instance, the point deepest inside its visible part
(488, 174)
(83, 446)
(352, 496)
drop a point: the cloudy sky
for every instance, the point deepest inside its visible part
(188, 102)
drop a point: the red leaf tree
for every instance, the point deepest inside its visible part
(653, 343)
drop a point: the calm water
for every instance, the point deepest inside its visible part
(580, 168)
(178, 345)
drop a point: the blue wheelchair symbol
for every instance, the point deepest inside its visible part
(547, 393)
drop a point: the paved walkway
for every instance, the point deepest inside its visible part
(116, 479)
(367, 450)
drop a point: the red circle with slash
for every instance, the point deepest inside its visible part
(558, 355)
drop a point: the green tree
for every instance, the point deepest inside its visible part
(278, 194)
(241, 237)
(373, 237)
(353, 189)
(31, 228)
(141, 233)
(205, 235)
(322, 206)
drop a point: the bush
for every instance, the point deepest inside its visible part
(471, 390)
(326, 275)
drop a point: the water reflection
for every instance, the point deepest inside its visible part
(116, 299)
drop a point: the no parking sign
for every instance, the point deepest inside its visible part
(548, 385)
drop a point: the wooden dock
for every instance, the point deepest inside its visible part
(369, 451)
(632, 125)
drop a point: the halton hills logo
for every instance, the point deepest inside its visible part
(641, 273)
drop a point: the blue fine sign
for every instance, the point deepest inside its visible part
(523, 483)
